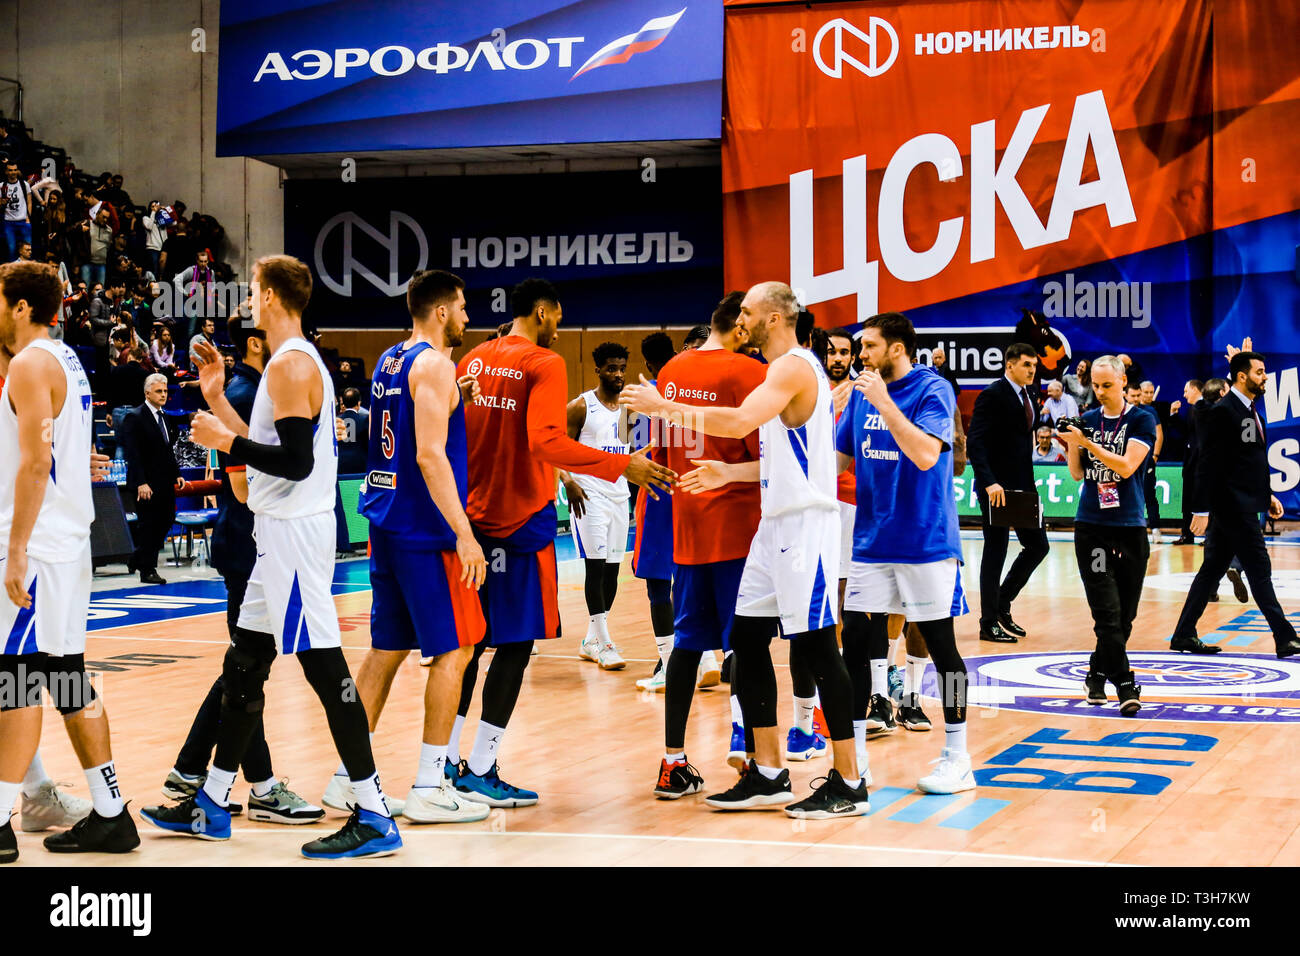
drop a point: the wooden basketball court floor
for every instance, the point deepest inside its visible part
(1208, 774)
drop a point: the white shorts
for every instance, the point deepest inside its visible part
(289, 590)
(919, 592)
(601, 532)
(848, 513)
(55, 624)
(793, 564)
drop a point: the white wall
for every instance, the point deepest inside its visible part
(118, 84)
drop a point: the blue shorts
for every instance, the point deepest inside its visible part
(704, 602)
(418, 600)
(652, 554)
(521, 597)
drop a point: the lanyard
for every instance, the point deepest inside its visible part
(1118, 422)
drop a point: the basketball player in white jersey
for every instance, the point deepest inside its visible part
(793, 565)
(45, 516)
(599, 508)
(291, 451)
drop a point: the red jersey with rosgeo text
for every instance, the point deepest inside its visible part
(516, 434)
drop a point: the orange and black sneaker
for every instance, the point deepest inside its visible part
(677, 779)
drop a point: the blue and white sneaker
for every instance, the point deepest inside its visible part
(894, 681)
(451, 772)
(365, 834)
(802, 746)
(491, 789)
(736, 758)
(197, 816)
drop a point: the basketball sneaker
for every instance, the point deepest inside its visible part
(450, 772)
(1238, 585)
(338, 796)
(654, 684)
(491, 789)
(590, 648)
(911, 716)
(197, 816)
(677, 780)
(426, 661)
(50, 808)
(282, 805)
(952, 775)
(753, 791)
(609, 658)
(710, 673)
(1095, 686)
(180, 787)
(365, 834)
(802, 746)
(96, 834)
(895, 683)
(880, 719)
(8, 843)
(833, 798)
(1129, 691)
(736, 756)
(819, 724)
(442, 805)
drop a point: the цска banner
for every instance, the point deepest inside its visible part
(1125, 169)
(301, 77)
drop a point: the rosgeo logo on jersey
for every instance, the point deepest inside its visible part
(671, 392)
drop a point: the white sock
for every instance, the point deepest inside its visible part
(8, 797)
(913, 674)
(675, 758)
(879, 676)
(803, 713)
(218, 785)
(432, 759)
(854, 783)
(737, 717)
(263, 788)
(486, 744)
(343, 771)
(369, 795)
(954, 737)
(664, 642)
(104, 790)
(893, 648)
(602, 627)
(453, 743)
(860, 736)
(593, 629)
(771, 773)
(36, 776)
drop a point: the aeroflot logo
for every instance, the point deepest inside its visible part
(831, 35)
(525, 53)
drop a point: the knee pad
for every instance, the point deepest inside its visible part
(244, 671)
(69, 684)
(21, 678)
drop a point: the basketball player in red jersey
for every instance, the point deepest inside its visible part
(516, 437)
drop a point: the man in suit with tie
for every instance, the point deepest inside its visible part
(1000, 445)
(152, 473)
(1232, 488)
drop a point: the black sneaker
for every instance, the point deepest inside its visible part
(1129, 692)
(832, 798)
(726, 669)
(365, 834)
(8, 843)
(753, 791)
(1095, 684)
(1010, 626)
(677, 780)
(96, 834)
(911, 716)
(880, 718)
(996, 633)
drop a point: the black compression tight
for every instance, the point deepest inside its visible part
(327, 671)
(804, 684)
(505, 678)
(679, 688)
(822, 656)
(942, 643)
(661, 605)
(865, 636)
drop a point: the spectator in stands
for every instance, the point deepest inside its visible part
(125, 381)
(349, 376)
(15, 198)
(100, 233)
(10, 147)
(206, 333)
(113, 192)
(24, 252)
(1132, 369)
(155, 234)
(1058, 405)
(208, 234)
(1078, 384)
(196, 284)
(356, 434)
(152, 473)
(178, 252)
(229, 357)
(939, 360)
(1193, 395)
(163, 352)
(1046, 450)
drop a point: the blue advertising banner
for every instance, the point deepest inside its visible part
(412, 74)
(622, 250)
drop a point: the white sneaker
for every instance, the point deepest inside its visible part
(338, 796)
(426, 661)
(589, 649)
(864, 768)
(710, 674)
(653, 684)
(50, 808)
(610, 659)
(1156, 536)
(952, 775)
(442, 805)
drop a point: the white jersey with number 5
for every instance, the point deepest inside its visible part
(63, 523)
(797, 465)
(279, 497)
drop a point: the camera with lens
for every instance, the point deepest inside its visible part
(1071, 421)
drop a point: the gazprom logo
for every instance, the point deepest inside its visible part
(387, 280)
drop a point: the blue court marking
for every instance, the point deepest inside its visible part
(1243, 640)
(1214, 637)
(972, 816)
(921, 810)
(884, 797)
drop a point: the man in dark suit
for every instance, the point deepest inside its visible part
(1000, 446)
(1193, 395)
(152, 473)
(1232, 488)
